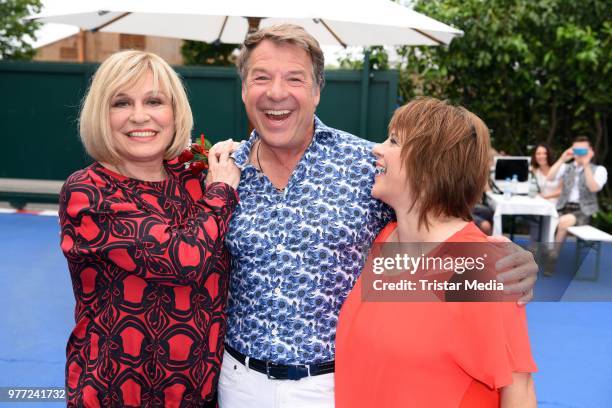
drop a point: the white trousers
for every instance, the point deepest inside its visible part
(241, 387)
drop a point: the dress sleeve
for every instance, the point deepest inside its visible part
(100, 225)
(221, 200)
(493, 342)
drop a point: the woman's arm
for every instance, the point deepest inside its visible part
(519, 394)
(553, 194)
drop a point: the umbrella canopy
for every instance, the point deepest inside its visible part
(332, 22)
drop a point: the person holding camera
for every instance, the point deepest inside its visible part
(580, 183)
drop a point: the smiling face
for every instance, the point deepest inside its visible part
(390, 181)
(280, 94)
(142, 122)
(541, 156)
(435, 161)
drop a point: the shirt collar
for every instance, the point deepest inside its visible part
(577, 167)
(241, 155)
(321, 130)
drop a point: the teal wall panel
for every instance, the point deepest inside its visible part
(214, 95)
(40, 104)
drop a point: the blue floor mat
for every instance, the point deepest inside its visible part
(571, 341)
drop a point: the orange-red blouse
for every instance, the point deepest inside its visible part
(425, 354)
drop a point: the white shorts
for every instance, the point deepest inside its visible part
(241, 387)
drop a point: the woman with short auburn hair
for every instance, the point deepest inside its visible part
(431, 170)
(144, 240)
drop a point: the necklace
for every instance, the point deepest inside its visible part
(261, 168)
(257, 156)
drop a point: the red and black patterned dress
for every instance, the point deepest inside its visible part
(149, 271)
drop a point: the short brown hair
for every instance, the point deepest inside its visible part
(445, 154)
(582, 138)
(119, 72)
(284, 34)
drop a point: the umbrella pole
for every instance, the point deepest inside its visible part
(81, 41)
(365, 88)
(253, 24)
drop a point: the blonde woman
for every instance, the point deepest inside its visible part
(144, 242)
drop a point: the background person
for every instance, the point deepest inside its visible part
(541, 162)
(427, 354)
(482, 214)
(580, 183)
(144, 242)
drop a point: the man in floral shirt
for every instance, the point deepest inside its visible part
(300, 234)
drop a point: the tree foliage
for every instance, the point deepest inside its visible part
(202, 53)
(377, 56)
(14, 30)
(533, 70)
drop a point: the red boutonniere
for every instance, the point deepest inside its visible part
(195, 156)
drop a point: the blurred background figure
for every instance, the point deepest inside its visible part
(580, 183)
(541, 163)
(482, 212)
(483, 215)
(581, 180)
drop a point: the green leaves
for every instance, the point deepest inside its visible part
(15, 31)
(202, 53)
(534, 71)
(378, 58)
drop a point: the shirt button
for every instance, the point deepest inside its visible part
(280, 247)
(274, 332)
(277, 291)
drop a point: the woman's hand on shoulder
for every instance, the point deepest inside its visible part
(221, 166)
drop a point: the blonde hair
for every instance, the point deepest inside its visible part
(118, 72)
(284, 34)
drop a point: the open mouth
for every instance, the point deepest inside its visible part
(378, 169)
(277, 115)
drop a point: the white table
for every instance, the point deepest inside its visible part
(524, 205)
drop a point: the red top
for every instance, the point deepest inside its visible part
(425, 354)
(149, 272)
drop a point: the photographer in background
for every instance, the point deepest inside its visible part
(580, 183)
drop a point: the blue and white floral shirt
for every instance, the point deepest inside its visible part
(297, 253)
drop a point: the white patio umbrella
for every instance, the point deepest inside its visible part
(332, 22)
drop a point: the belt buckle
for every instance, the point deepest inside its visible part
(297, 372)
(268, 371)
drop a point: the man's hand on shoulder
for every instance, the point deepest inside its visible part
(518, 267)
